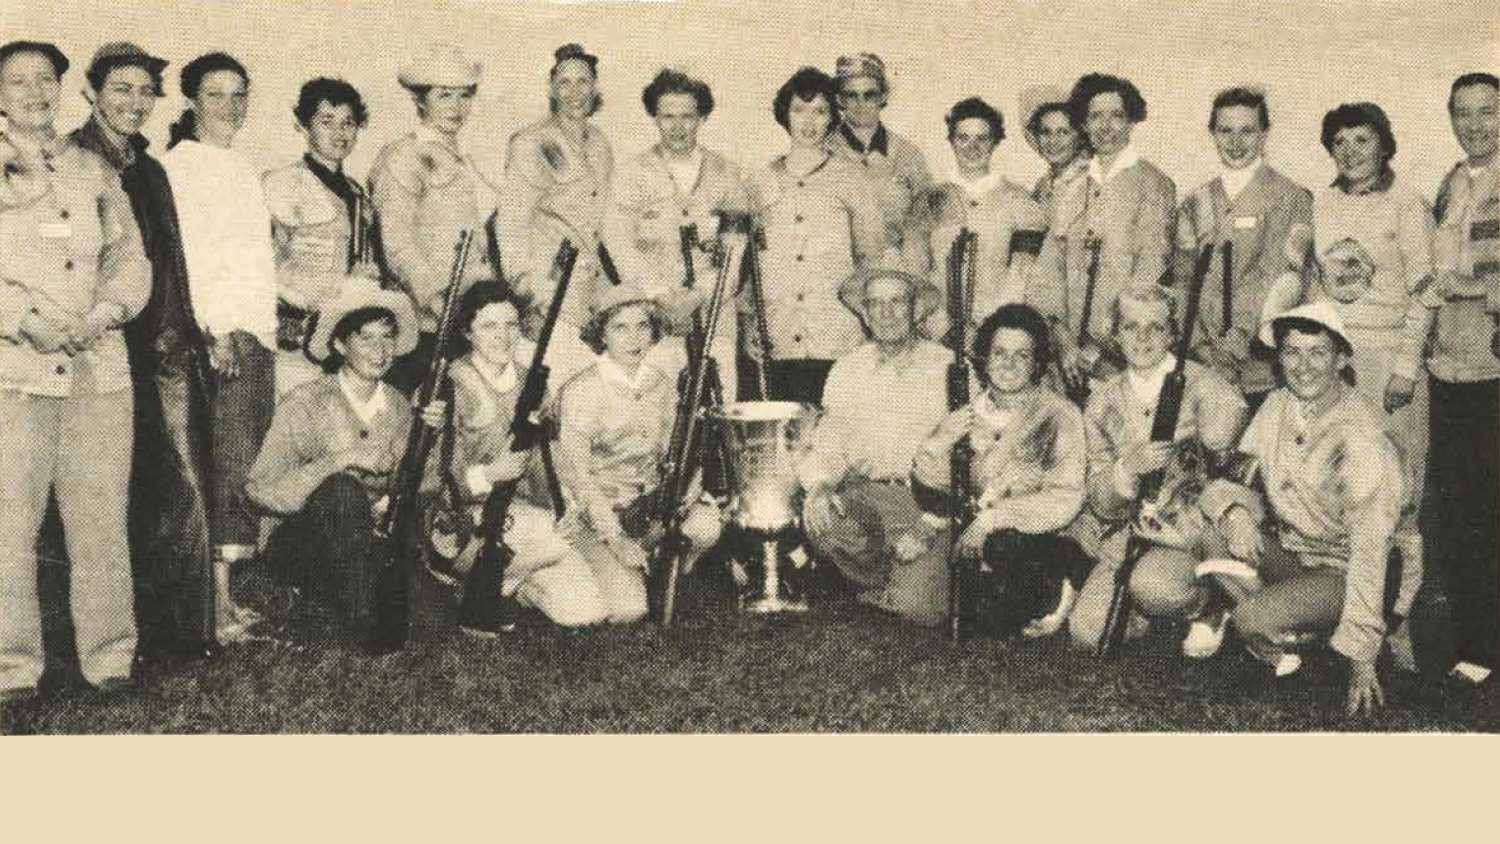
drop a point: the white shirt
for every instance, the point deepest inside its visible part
(226, 239)
(1147, 386)
(684, 171)
(366, 409)
(1235, 181)
(613, 372)
(975, 188)
(1127, 158)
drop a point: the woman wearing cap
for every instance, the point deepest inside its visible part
(545, 571)
(1371, 256)
(1049, 129)
(821, 223)
(226, 239)
(557, 174)
(72, 271)
(1008, 224)
(615, 422)
(427, 192)
(326, 463)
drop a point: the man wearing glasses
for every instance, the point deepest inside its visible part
(895, 167)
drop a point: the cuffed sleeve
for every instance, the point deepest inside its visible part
(1372, 501)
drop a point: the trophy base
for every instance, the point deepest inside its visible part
(766, 606)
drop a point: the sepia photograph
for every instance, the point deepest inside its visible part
(785, 367)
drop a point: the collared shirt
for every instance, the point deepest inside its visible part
(426, 194)
(975, 188)
(1051, 185)
(876, 413)
(1147, 386)
(555, 188)
(684, 171)
(895, 169)
(1335, 489)
(1030, 468)
(1009, 227)
(820, 227)
(226, 238)
(613, 433)
(311, 231)
(1125, 159)
(1467, 242)
(1235, 181)
(73, 247)
(615, 374)
(366, 409)
(1257, 220)
(647, 208)
(484, 405)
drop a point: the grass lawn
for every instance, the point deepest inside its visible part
(843, 667)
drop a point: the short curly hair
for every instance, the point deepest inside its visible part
(1020, 317)
(479, 295)
(1350, 115)
(975, 107)
(335, 92)
(1091, 85)
(592, 333)
(670, 81)
(806, 85)
(1246, 97)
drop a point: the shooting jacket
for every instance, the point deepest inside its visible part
(613, 433)
(896, 171)
(311, 231)
(484, 406)
(1467, 241)
(1330, 484)
(1010, 227)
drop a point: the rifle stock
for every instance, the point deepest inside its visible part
(962, 262)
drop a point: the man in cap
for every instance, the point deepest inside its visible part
(1317, 493)
(427, 191)
(326, 463)
(1465, 367)
(677, 184)
(896, 169)
(72, 272)
(1252, 208)
(320, 219)
(880, 402)
(170, 552)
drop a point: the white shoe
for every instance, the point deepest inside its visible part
(1053, 621)
(1205, 635)
(1241, 572)
(1287, 665)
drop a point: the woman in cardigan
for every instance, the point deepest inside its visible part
(226, 240)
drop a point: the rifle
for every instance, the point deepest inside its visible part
(607, 265)
(483, 610)
(698, 388)
(1163, 429)
(492, 244)
(1226, 320)
(397, 526)
(750, 275)
(1090, 350)
(962, 260)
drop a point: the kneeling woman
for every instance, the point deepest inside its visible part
(545, 572)
(1028, 475)
(326, 463)
(615, 422)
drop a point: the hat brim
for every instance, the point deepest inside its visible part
(319, 344)
(927, 295)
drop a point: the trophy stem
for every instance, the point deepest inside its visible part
(771, 601)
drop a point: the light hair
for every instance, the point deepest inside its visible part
(1146, 294)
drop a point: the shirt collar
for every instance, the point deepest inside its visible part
(1147, 386)
(1234, 182)
(365, 410)
(1127, 158)
(975, 188)
(502, 381)
(1382, 183)
(692, 166)
(613, 373)
(92, 136)
(879, 142)
(433, 136)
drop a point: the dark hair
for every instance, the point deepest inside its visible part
(976, 107)
(1476, 78)
(670, 81)
(347, 325)
(1024, 318)
(806, 84)
(99, 72)
(480, 295)
(1092, 85)
(592, 333)
(569, 52)
(1249, 98)
(50, 51)
(335, 92)
(1350, 115)
(185, 127)
(1034, 123)
(1282, 326)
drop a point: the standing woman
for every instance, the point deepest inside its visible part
(1372, 256)
(557, 174)
(1008, 223)
(226, 240)
(821, 224)
(1050, 131)
(72, 271)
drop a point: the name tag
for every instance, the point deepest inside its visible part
(1243, 223)
(55, 230)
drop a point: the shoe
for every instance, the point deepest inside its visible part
(1239, 572)
(501, 621)
(1282, 664)
(112, 687)
(18, 695)
(1466, 676)
(1205, 635)
(1053, 621)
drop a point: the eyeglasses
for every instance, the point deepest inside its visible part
(886, 304)
(869, 96)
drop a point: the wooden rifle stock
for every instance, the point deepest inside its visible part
(1163, 429)
(962, 260)
(483, 609)
(750, 276)
(607, 265)
(1077, 389)
(396, 528)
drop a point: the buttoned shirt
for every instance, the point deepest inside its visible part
(1257, 220)
(820, 227)
(876, 413)
(996, 215)
(613, 432)
(1029, 464)
(70, 248)
(895, 168)
(311, 231)
(555, 188)
(484, 405)
(427, 192)
(1049, 186)
(1334, 485)
(1467, 242)
(647, 208)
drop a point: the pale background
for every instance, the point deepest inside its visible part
(1310, 57)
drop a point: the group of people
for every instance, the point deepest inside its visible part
(190, 345)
